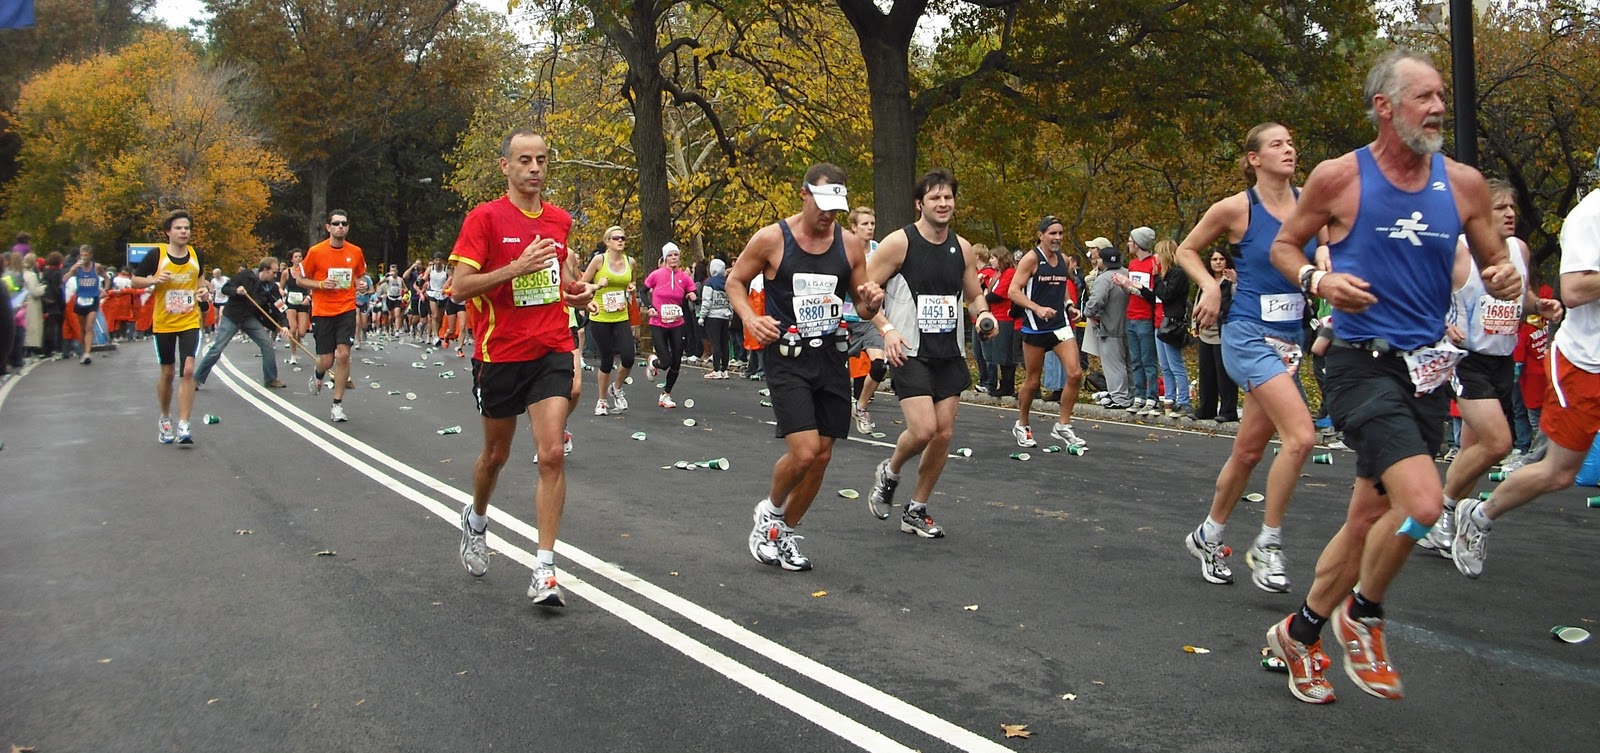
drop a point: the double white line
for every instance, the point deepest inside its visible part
(428, 491)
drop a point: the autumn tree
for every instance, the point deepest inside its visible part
(113, 142)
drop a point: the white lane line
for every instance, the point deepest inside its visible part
(951, 733)
(806, 707)
(5, 390)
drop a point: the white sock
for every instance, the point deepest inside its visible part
(1269, 536)
(1211, 531)
(768, 510)
(547, 557)
(889, 473)
(1479, 519)
(917, 507)
(479, 523)
(1449, 504)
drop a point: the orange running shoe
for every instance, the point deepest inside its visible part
(1366, 655)
(1305, 664)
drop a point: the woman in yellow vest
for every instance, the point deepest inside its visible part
(175, 275)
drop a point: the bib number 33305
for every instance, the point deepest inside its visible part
(537, 288)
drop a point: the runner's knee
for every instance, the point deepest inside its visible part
(879, 370)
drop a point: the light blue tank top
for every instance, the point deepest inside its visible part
(1404, 244)
(1263, 294)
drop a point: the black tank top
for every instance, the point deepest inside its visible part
(808, 291)
(935, 274)
(1047, 287)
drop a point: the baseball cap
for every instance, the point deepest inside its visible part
(1046, 221)
(831, 197)
(1100, 242)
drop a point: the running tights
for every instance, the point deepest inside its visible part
(669, 352)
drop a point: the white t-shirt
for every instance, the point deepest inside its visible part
(1579, 336)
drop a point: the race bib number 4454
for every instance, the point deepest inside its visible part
(536, 288)
(937, 313)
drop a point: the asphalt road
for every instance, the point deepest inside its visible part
(135, 614)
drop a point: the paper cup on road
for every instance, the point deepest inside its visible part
(682, 464)
(629, 380)
(1053, 448)
(411, 395)
(1569, 634)
(1325, 458)
(639, 435)
(849, 493)
(689, 422)
(373, 385)
(1254, 497)
(878, 435)
(688, 403)
(418, 365)
(1020, 456)
(1593, 502)
(965, 452)
(720, 464)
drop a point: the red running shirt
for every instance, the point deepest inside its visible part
(524, 319)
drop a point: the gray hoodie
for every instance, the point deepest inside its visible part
(1108, 302)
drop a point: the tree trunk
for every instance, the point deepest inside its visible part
(885, 40)
(649, 139)
(319, 201)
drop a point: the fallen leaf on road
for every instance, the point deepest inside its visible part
(1070, 697)
(971, 607)
(19, 749)
(326, 553)
(674, 573)
(627, 536)
(1196, 650)
(463, 672)
(214, 700)
(358, 703)
(104, 661)
(446, 460)
(243, 532)
(1099, 682)
(818, 594)
(1016, 730)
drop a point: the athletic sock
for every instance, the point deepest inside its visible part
(322, 375)
(337, 401)
(889, 473)
(1481, 520)
(547, 557)
(1211, 531)
(768, 510)
(1269, 536)
(479, 523)
(1360, 607)
(1449, 504)
(917, 508)
(1306, 625)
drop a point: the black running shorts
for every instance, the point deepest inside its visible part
(811, 391)
(938, 378)
(506, 389)
(1481, 377)
(333, 331)
(1371, 399)
(170, 344)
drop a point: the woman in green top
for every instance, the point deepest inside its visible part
(608, 318)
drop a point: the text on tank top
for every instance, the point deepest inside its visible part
(808, 290)
(1047, 287)
(935, 275)
(1403, 243)
(1263, 294)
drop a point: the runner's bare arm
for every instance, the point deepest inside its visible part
(885, 262)
(1225, 216)
(972, 286)
(1329, 199)
(756, 259)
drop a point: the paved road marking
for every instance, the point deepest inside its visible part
(805, 706)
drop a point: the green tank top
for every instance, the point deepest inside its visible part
(612, 297)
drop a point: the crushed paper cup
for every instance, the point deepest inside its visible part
(1254, 497)
(688, 403)
(411, 395)
(639, 435)
(849, 494)
(965, 452)
(689, 422)
(1569, 634)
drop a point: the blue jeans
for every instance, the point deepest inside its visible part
(1054, 377)
(1175, 373)
(1142, 367)
(226, 329)
(1521, 431)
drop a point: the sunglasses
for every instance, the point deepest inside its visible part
(339, 223)
(619, 237)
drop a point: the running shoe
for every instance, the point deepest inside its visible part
(314, 385)
(1471, 540)
(600, 408)
(1268, 569)
(651, 370)
(276, 384)
(461, 353)
(337, 414)
(1135, 407)
(1023, 435)
(1366, 657)
(1064, 433)
(789, 556)
(619, 400)
(1098, 396)
(919, 523)
(566, 442)
(86, 360)
(1443, 535)
(1213, 559)
(543, 590)
(666, 401)
(764, 538)
(1305, 664)
(863, 421)
(1450, 454)
(185, 434)
(709, 375)
(164, 431)
(349, 383)
(1150, 409)
(880, 501)
(474, 546)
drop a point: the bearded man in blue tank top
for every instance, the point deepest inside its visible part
(934, 272)
(808, 265)
(1393, 210)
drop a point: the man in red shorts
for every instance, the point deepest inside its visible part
(511, 269)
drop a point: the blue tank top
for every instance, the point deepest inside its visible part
(88, 284)
(1263, 294)
(809, 289)
(1403, 244)
(1047, 287)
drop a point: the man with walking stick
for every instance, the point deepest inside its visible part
(253, 304)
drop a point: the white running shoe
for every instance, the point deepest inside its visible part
(1064, 433)
(338, 415)
(185, 436)
(164, 431)
(314, 385)
(1268, 569)
(665, 401)
(1471, 542)
(619, 399)
(600, 408)
(651, 370)
(1443, 534)
(543, 590)
(474, 546)
(863, 421)
(1023, 435)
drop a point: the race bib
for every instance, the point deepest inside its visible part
(671, 312)
(1282, 307)
(179, 301)
(341, 276)
(1064, 334)
(296, 297)
(1432, 366)
(613, 300)
(87, 301)
(279, 305)
(936, 314)
(1142, 279)
(1288, 351)
(536, 288)
(1499, 317)
(817, 315)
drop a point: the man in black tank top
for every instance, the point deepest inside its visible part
(1039, 289)
(921, 325)
(808, 265)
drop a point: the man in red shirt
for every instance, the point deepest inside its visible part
(1141, 332)
(511, 269)
(336, 270)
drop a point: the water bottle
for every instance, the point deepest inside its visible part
(789, 345)
(841, 338)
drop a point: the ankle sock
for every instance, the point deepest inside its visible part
(547, 557)
(1269, 536)
(1211, 531)
(1306, 625)
(479, 523)
(1360, 607)
(916, 508)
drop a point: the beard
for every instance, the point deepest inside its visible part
(1418, 140)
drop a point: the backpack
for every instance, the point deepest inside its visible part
(52, 290)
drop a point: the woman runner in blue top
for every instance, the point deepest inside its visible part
(1261, 351)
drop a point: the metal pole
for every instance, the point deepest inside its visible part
(1464, 77)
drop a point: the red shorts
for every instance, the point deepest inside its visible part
(1571, 405)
